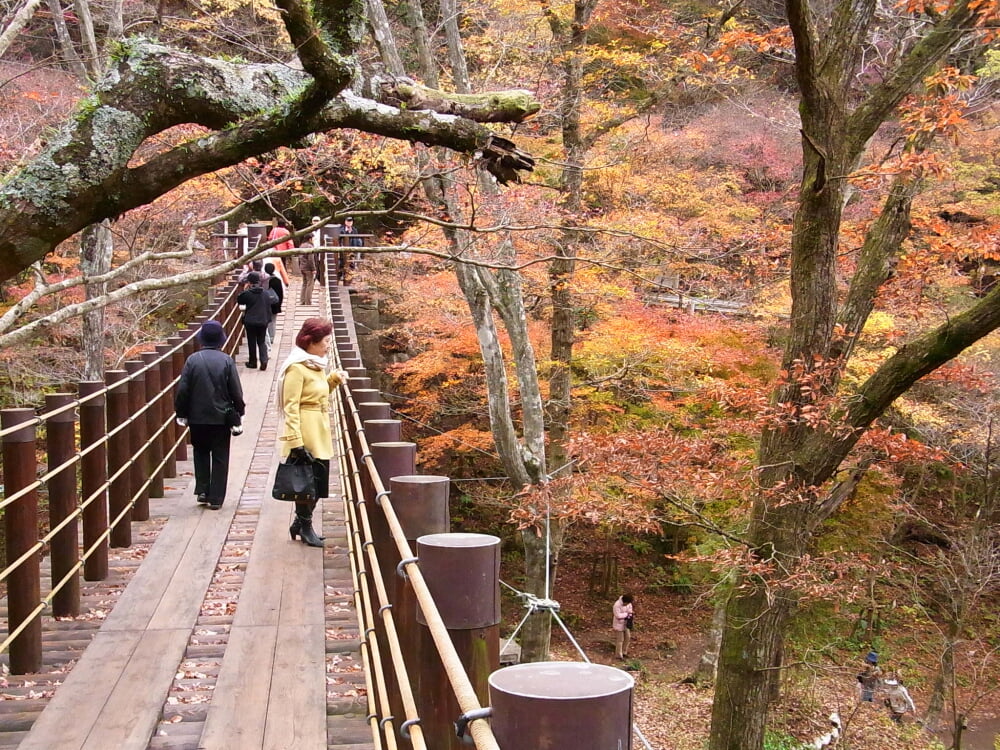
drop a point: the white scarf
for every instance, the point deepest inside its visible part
(299, 356)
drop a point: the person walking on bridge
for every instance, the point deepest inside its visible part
(304, 387)
(209, 396)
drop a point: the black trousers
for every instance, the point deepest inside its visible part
(256, 342)
(211, 460)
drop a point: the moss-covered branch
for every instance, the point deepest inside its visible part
(84, 175)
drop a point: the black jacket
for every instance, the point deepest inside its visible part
(257, 302)
(209, 383)
(276, 286)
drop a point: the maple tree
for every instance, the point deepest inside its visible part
(813, 428)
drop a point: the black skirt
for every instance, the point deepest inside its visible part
(321, 470)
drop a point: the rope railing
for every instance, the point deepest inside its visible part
(363, 470)
(143, 426)
(359, 512)
(452, 583)
(468, 701)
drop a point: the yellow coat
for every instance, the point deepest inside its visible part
(305, 400)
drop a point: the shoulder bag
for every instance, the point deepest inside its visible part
(295, 481)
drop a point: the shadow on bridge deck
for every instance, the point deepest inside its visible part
(227, 636)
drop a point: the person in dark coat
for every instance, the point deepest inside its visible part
(255, 301)
(208, 388)
(275, 284)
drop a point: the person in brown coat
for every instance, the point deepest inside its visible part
(307, 267)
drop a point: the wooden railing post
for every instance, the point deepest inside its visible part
(20, 519)
(383, 430)
(421, 505)
(119, 452)
(140, 452)
(374, 410)
(462, 572)
(93, 476)
(167, 407)
(390, 459)
(154, 420)
(177, 364)
(562, 704)
(60, 446)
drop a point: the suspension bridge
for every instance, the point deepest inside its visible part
(137, 619)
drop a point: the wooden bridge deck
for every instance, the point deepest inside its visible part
(227, 636)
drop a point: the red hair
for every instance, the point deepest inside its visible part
(313, 331)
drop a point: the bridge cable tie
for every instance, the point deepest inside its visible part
(401, 567)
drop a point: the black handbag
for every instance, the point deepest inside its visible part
(295, 481)
(630, 622)
(231, 417)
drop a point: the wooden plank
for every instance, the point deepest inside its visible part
(260, 598)
(181, 602)
(302, 588)
(77, 704)
(296, 711)
(140, 599)
(129, 716)
(236, 717)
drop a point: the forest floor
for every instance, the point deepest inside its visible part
(667, 644)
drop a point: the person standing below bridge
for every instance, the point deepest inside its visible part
(209, 393)
(622, 624)
(305, 385)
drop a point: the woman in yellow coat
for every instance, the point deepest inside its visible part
(305, 387)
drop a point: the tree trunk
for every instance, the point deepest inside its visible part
(756, 621)
(96, 252)
(65, 41)
(540, 565)
(708, 664)
(18, 22)
(379, 23)
(943, 680)
(456, 53)
(425, 61)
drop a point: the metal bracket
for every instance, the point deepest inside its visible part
(380, 495)
(404, 730)
(462, 723)
(401, 567)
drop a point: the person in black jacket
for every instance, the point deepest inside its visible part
(275, 284)
(255, 301)
(209, 401)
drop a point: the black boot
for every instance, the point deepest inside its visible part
(296, 527)
(302, 525)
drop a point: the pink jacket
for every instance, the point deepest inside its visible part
(621, 611)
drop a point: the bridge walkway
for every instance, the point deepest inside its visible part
(228, 635)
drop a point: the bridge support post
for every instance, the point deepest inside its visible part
(119, 451)
(462, 572)
(154, 421)
(60, 442)
(383, 430)
(391, 459)
(140, 469)
(369, 410)
(93, 478)
(421, 505)
(181, 353)
(167, 408)
(562, 704)
(21, 528)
